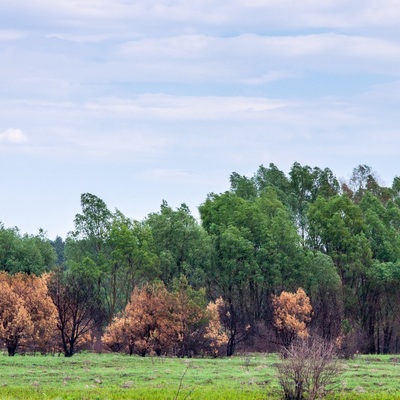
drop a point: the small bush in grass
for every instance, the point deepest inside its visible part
(307, 367)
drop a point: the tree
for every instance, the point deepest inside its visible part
(301, 183)
(292, 315)
(94, 222)
(41, 310)
(337, 228)
(181, 244)
(145, 325)
(381, 227)
(242, 186)
(163, 322)
(32, 254)
(190, 318)
(89, 239)
(383, 280)
(326, 295)
(76, 297)
(28, 316)
(121, 252)
(59, 247)
(275, 179)
(257, 252)
(132, 262)
(15, 322)
(215, 333)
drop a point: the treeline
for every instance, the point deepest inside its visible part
(272, 232)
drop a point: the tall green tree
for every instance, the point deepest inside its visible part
(181, 244)
(121, 252)
(326, 294)
(274, 178)
(132, 262)
(257, 251)
(92, 228)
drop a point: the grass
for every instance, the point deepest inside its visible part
(113, 376)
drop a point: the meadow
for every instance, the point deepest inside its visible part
(114, 376)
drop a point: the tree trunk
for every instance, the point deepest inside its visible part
(11, 350)
(387, 338)
(230, 347)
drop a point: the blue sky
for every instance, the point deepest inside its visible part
(140, 101)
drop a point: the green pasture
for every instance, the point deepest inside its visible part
(115, 376)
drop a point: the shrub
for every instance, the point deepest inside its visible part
(307, 368)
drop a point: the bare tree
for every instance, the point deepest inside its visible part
(307, 368)
(75, 296)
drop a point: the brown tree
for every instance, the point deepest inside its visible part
(215, 333)
(27, 316)
(292, 314)
(42, 312)
(145, 325)
(15, 322)
(163, 322)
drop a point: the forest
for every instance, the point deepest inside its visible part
(170, 284)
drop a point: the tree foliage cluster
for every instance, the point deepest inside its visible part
(162, 322)
(32, 254)
(270, 233)
(28, 317)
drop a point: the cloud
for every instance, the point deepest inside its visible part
(13, 136)
(212, 15)
(168, 107)
(251, 57)
(9, 35)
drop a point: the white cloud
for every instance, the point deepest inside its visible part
(224, 17)
(9, 35)
(13, 136)
(168, 107)
(251, 58)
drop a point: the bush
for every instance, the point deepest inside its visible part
(307, 368)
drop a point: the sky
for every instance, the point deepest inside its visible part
(140, 101)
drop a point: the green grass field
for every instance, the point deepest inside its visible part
(114, 376)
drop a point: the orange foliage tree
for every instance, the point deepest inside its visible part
(145, 324)
(292, 314)
(27, 315)
(43, 314)
(163, 322)
(215, 333)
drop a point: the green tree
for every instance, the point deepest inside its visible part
(91, 232)
(132, 262)
(242, 186)
(326, 295)
(32, 254)
(276, 179)
(301, 182)
(59, 247)
(257, 251)
(121, 252)
(384, 300)
(181, 245)
(381, 227)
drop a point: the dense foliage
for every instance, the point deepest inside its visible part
(271, 233)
